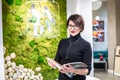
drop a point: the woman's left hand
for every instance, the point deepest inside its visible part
(67, 69)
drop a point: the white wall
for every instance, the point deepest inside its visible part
(1, 47)
(102, 13)
(84, 8)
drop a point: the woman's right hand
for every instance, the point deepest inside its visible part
(51, 63)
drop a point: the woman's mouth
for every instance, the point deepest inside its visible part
(72, 31)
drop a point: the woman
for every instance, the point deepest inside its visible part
(73, 49)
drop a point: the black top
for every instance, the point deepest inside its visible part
(74, 49)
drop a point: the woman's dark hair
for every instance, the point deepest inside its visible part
(78, 20)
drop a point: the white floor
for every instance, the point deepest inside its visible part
(91, 78)
(103, 75)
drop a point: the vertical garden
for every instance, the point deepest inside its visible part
(32, 30)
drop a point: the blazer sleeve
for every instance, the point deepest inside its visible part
(87, 56)
(57, 56)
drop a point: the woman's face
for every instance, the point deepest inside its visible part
(73, 29)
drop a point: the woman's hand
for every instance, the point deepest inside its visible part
(70, 69)
(67, 69)
(51, 63)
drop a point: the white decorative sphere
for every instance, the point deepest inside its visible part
(14, 76)
(8, 63)
(41, 78)
(10, 69)
(28, 74)
(32, 72)
(10, 74)
(19, 73)
(36, 77)
(29, 70)
(31, 77)
(6, 71)
(10, 79)
(13, 65)
(7, 58)
(38, 69)
(25, 70)
(21, 66)
(39, 75)
(6, 77)
(12, 55)
(26, 78)
(5, 66)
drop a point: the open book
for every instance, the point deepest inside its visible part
(77, 65)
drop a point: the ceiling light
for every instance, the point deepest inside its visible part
(96, 4)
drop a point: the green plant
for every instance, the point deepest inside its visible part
(31, 51)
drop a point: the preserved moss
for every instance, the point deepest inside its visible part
(17, 36)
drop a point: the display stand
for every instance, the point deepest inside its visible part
(97, 61)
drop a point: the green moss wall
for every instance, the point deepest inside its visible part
(18, 33)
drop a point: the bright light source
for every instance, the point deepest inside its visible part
(97, 18)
